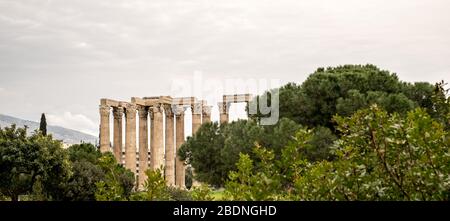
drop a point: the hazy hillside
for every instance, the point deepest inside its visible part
(67, 135)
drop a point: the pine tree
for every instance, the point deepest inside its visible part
(43, 125)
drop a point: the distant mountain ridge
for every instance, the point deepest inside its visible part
(68, 136)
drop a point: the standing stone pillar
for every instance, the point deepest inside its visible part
(206, 114)
(130, 138)
(104, 129)
(170, 148)
(143, 145)
(152, 135)
(224, 108)
(196, 123)
(179, 164)
(157, 139)
(117, 148)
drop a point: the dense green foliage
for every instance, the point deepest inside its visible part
(155, 186)
(81, 185)
(379, 157)
(118, 183)
(344, 90)
(440, 107)
(214, 151)
(156, 189)
(86, 173)
(384, 157)
(39, 169)
(95, 174)
(34, 165)
(202, 193)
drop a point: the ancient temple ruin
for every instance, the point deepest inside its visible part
(162, 151)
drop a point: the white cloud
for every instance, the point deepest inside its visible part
(73, 121)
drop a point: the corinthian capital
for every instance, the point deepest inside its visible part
(168, 110)
(157, 108)
(178, 110)
(206, 110)
(143, 111)
(196, 108)
(104, 110)
(131, 111)
(118, 112)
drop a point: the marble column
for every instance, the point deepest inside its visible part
(196, 123)
(143, 145)
(170, 148)
(117, 148)
(224, 108)
(152, 134)
(206, 114)
(130, 138)
(157, 139)
(179, 164)
(105, 145)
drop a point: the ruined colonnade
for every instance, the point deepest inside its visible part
(163, 119)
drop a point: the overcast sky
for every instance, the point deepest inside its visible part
(61, 57)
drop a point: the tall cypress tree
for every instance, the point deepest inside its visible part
(43, 125)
